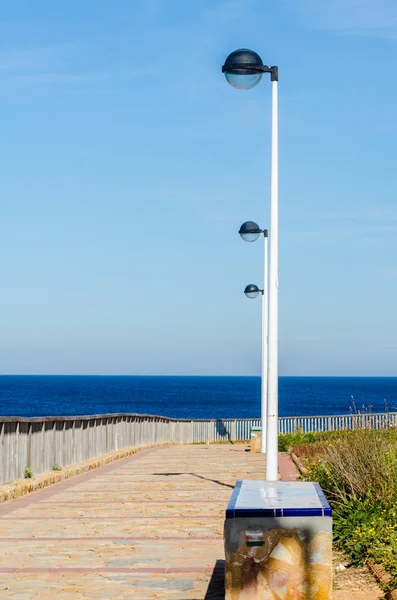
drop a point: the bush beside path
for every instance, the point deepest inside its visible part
(358, 473)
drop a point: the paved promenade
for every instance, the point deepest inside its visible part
(147, 526)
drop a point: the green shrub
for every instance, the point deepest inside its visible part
(365, 462)
(367, 531)
(358, 473)
(286, 441)
(56, 467)
(28, 473)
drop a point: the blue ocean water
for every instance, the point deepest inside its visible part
(189, 397)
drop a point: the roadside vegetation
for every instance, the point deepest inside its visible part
(357, 471)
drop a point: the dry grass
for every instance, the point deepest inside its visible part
(361, 464)
(358, 473)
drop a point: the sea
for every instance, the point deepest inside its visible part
(190, 397)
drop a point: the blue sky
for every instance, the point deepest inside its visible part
(128, 165)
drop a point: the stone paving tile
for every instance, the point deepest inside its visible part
(105, 586)
(184, 494)
(117, 510)
(107, 553)
(75, 540)
(83, 527)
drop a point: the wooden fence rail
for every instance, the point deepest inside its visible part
(41, 442)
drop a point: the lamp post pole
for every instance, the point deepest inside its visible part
(250, 232)
(265, 321)
(272, 390)
(244, 69)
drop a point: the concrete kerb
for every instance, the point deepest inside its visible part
(384, 579)
(302, 470)
(22, 487)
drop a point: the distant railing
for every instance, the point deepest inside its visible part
(41, 442)
(337, 422)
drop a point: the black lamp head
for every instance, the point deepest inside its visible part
(243, 69)
(252, 291)
(250, 231)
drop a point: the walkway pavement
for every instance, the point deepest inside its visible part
(147, 526)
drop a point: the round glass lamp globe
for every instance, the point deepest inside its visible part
(249, 237)
(243, 81)
(243, 69)
(252, 291)
(249, 231)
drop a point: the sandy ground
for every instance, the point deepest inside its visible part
(355, 583)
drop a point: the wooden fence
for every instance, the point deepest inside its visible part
(39, 443)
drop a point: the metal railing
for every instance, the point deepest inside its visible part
(337, 422)
(41, 442)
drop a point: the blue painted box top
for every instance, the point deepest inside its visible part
(277, 499)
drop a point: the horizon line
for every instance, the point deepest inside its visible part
(186, 376)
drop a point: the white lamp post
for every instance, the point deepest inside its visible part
(250, 232)
(243, 70)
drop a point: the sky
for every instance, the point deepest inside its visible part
(128, 164)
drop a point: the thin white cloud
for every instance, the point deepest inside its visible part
(153, 8)
(369, 17)
(374, 226)
(227, 10)
(373, 213)
(221, 12)
(390, 272)
(56, 64)
(32, 59)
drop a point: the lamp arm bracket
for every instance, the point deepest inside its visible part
(274, 73)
